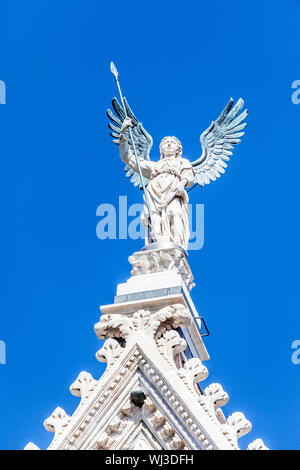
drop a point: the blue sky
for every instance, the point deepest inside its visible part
(179, 63)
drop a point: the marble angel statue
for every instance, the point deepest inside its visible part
(165, 181)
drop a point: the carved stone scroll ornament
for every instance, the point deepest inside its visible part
(153, 325)
(114, 326)
(169, 318)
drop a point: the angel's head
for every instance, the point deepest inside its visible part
(170, 146)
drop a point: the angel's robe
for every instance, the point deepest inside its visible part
(169, 210)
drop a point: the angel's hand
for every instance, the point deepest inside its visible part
(180, 189)
(126, 123)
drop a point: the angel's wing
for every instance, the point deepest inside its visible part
(217, 143)
(142, 140)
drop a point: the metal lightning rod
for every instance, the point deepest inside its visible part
(115, 73)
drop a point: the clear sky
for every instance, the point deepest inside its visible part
(179, 63)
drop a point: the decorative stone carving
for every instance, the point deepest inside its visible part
(237, 426)
(217, 398)
(258, 444)
(158, 419)
(149, 406)
(171, 344)
(167, 431)
(104, 443)
(167, 259)
(155, 325)
(177, 443)
(129, 409)
(169, 318)
(141, 320)
(109, 352)
(57, 422)
(83, 386)
(193, 372)
(113, 326)
(115, 426)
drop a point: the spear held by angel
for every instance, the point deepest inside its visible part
(165, 213)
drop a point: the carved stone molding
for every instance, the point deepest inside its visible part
(167, 259)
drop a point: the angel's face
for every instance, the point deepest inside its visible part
(168, 146)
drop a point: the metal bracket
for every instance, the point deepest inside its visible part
(199, 329)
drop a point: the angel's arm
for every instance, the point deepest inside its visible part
(139, 139)
(128, 157)
(187, 174)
